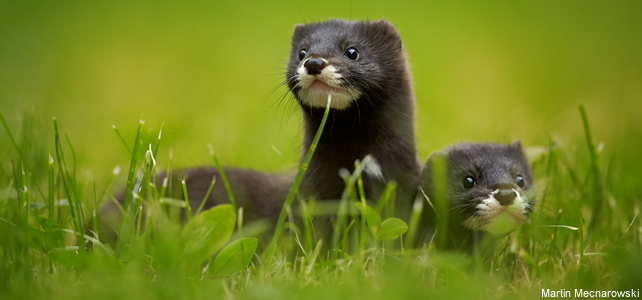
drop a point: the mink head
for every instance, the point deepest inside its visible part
(485, 183)
(348, 60)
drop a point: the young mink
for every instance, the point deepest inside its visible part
(487, 186)
(363, 66)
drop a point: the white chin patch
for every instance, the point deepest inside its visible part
(316, 88)
(493, 217)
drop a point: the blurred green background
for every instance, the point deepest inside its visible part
(483, 71)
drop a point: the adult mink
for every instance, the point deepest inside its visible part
(363, 66)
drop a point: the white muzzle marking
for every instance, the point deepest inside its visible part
(490, 212)
(317, 95)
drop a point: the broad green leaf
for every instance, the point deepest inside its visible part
(47, 224)
(208, 232)
(52, 234)
(35, 238)
(391, 229)
(235, 257)
(372, 217)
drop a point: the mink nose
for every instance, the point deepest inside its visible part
(505, 197)
(314, 66)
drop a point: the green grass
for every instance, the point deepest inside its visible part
(482, 71)
(43, 243)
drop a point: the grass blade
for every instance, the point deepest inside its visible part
(25, 194)
(385, 196)
(362, 197)
(160, 134)
(295, 185)
(222, 172)
(188, 207)
(207, 195)
(344, 202)
(20, 153)
(120, 136)
(51, 187)
(129, 197)
(307, 223)
(62, 166)
(415, 217)
(6, 129)
(128, 203)
(597, 178)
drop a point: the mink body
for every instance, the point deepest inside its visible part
(372, 112)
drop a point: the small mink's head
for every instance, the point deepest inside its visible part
(349, 60)
(488, 185)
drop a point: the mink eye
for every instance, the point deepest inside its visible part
(520, 181)
(351, 53)
(469, 182)
(302, 54)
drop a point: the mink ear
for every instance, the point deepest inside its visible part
(427, 171)
(384, 23)
(437, 155)
(517, 145)
(298, 34)
(298, 27)
(299, 31)
(388, 30)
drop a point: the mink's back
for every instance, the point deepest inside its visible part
(261, 195)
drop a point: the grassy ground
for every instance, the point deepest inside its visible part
(493, 72)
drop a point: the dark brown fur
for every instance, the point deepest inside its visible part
(380, 122)
(261, 195)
